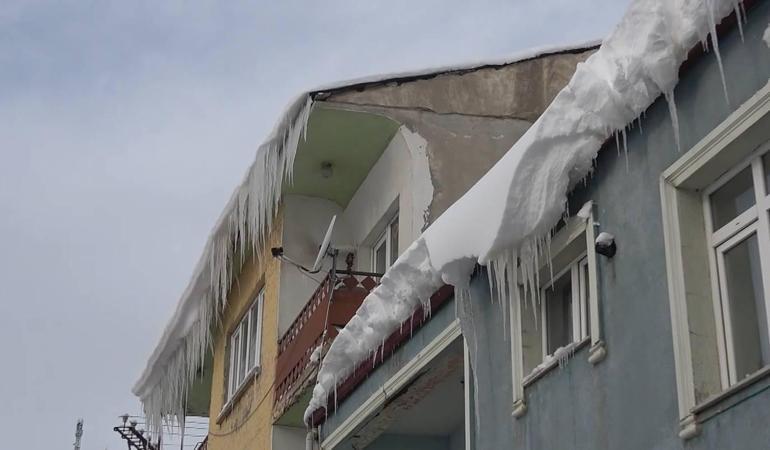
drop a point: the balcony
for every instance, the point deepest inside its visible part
(294, 371)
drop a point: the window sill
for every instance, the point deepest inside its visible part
(230, 404)
(565, 354)
(723, 401)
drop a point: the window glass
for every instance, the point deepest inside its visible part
(243, 349)
(733, 198)
(747, 307)
(558, 313)
(586, 295)
(253, 335)
(393, 241)
(380, 257)
(235, 366)
(766, 165)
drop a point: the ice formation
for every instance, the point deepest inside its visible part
(246, 221)
(163, 385)
(766, 35)
(524, 194)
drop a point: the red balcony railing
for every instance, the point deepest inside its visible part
(307, 330)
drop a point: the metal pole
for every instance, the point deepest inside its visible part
(78, 433)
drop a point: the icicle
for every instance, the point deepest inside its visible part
(625, 146)
(669, 96)
(737, 7)
(715, 46)
(617, 142)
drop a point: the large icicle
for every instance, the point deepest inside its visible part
(506, 216)
(247, 218)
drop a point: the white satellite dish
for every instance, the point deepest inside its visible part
(324, 245)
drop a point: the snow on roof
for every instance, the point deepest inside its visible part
(246, 220)
(523, 196)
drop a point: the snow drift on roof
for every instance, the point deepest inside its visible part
(506, 217)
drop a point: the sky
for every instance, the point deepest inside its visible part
(124, 128)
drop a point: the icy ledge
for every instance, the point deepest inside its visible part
(507, 215)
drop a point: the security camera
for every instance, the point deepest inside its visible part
(605, 244)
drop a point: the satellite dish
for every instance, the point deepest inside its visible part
(324, 245)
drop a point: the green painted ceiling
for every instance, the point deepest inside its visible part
(351, 141)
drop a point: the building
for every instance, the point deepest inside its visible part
(649, 329)
(382, 158)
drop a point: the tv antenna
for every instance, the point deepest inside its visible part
(325, 249)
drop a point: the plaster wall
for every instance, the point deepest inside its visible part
(629, 400)
(398, 182)
(306, 220)
(467, 119)
(519, 90)
(248, 422)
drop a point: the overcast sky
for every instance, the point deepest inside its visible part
(124, 127)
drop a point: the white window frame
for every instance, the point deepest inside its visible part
(681, 186)
(579, 308)
(385, 239)
(236, 341)
(752, 221)
(589, 329)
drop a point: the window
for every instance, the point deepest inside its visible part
(550, 326)
(385, 249)
(244, 346)
(563, 308)
(715, 208)
(736, 209)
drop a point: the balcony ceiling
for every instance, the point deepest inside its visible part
(351, 141)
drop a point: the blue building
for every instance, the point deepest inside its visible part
(663, 344)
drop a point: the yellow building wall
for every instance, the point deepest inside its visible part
(247, 425)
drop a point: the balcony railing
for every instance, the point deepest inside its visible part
(307, 331)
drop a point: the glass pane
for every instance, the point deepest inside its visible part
(747, 307)
(235, 362)
(558, 313)
(393, 241)
(253, 335)
(766, 165)
(243, 349)
(380, 258)
(733, 198)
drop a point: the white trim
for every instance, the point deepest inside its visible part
(393, 385)
(467, 396)
(386, 240)
(575, 228)
(677, 298)
(242, 333)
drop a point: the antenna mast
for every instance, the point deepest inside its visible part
(78, 433)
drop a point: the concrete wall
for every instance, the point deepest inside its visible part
(518, 90)
(468, 120)
(248, 424)
(306, 220)
(396, 182)
(629, 400)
